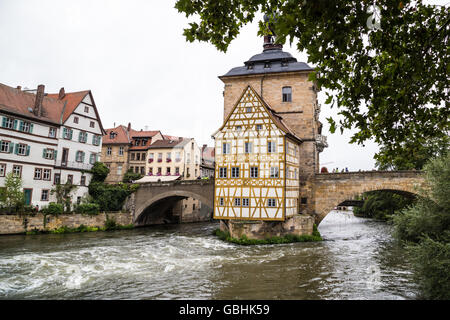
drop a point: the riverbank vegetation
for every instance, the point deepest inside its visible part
(243, 240)
(382, 205)
(424, 228)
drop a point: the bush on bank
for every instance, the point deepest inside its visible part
(425, 229)
(243, 240)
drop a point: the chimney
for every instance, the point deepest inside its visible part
(37, 110)
(19, 88)
(61, 94)
(129, 126)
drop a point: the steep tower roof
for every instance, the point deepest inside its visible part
(272, 60)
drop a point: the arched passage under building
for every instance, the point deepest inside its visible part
(174, 206)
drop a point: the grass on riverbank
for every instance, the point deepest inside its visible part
(243, 240)
(81, 228)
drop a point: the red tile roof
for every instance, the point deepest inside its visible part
(16, 101)
(72, 99)
(121, 137)
(143, 134)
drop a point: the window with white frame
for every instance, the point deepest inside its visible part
(225, 148)
(271, 203)
(237, 202)
(221, 202)
(52, 132)
(8, 123)
(253, 172)
(248, 109)
(44, 195)
(245, 202)
(108, 151)
(271, 147)
(37, 173)
(223, 172)
(48, 154)
(47, 174)
(121, 149)
(21, 149)
(79, 156)
(2, 169)
(248, 147)
(83, 137)
(258, 127)
(25, 126)
(17, 170)
(235, 172)
(274, 172)
(287, 94)
(119, 169)
(5, 146)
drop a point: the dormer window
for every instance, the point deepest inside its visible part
(284, 63)
(249, 66)
(266, 64)
(137, 142)
(112, 135)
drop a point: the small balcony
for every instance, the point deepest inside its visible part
(159, 160)
(150, 160)
(73, 165)
(168, 160)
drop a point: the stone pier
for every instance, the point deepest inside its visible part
(297, 225)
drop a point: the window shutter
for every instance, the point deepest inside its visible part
(16, 149)
(64, 132)
(4, 122)
(54, 154)
(31, 128)
(28, 151)
(85, 137)
(21, 126)
(70, 134)
(93, 139)
(11, 147)
(80, 136)
(44, 152)
(82, 156)
(15, 124)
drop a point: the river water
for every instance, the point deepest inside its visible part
(357, 260)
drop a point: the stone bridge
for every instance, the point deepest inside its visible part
(158, 198)
(327, 190)
(331, 189)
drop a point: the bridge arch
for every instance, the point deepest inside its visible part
(166, 199)
(332, 189)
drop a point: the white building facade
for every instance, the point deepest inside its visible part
(47, 139)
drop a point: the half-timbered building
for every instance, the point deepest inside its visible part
(257, 163)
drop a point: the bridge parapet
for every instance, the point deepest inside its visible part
(369, 174)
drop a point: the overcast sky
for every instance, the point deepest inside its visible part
(132, 56)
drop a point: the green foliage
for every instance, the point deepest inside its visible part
(53, 208)
(381, 205)
(390, 85)
(13, 196)
(110, 197)
(99, 172)
(430, 216)
(412, 154)
(243, 240)
(426, 229)
(431, 261)
(131, 176)
(88, 208)
(63, 194)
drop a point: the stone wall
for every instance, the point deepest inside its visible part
(13, 224)
(260, 230)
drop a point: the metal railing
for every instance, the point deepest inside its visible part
(73, 165)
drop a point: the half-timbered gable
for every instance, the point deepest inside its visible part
(256, 163)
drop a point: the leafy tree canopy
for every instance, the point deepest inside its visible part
(99, 172)
(390, 83)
